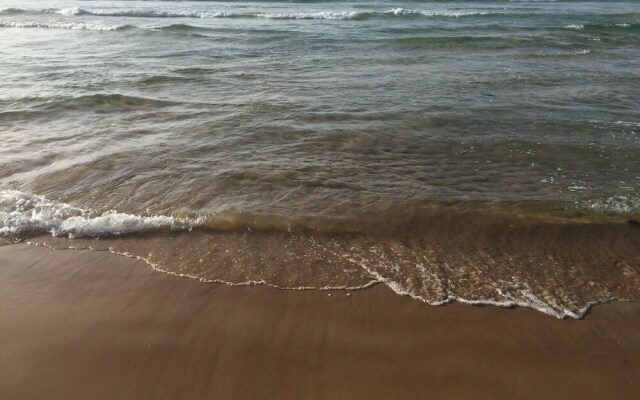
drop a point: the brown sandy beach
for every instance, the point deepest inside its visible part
(93, 325)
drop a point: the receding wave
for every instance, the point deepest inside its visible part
(479, 256)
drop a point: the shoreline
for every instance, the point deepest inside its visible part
(467, 253)
(450, 300)
(82, 324)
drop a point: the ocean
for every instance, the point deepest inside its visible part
(479, 151)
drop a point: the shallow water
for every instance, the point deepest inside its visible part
(481, 151)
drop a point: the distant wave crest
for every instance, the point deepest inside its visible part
(323, 15)
(81, 26)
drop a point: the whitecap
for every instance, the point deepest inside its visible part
(328, 15)
(621, 204)
(23, 213)
(83, 26)
(399, 11)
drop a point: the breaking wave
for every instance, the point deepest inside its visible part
(27, 214)
(81, 26)
(611, 27)
(323, 15)
(623, 204)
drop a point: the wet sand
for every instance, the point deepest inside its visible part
(93, 325)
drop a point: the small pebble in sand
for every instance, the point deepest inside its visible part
(329, 295)
(349, 294)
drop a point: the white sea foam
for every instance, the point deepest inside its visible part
(69, 11)
(624, 204)
(83, 26)
(506, 301)
(574, 26)
(398, 11)
(527, 298)
(329, 15)
(140, 13)
(632, 124)
(322, 15)
(22, 213)
(565, 54)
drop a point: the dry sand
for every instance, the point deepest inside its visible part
(92, 325)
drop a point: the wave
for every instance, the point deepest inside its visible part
(623, 204)
(27, 214)
(322, 15)
(181, 28)
(16, 115)
(502, 263)
(560, 269)
(15, 11)
(138, 13)
(453, 14)
(417, 41)
(82, 26)
(575, 53)
(612, 27)
(102, 101)
(24, 213)
(397, 12)
(43, 105)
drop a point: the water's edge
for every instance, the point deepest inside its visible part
(509, 305)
